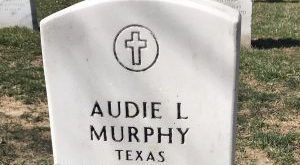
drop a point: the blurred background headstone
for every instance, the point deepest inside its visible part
(20, 13)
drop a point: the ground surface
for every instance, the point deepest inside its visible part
(269, 95)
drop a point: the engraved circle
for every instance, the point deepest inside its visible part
(136, 48)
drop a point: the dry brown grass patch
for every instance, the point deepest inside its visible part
(291, 124)
(38, 62)
(250, 156)
(10, 107)
(28, 116)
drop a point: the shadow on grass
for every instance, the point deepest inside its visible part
(36, 141)
(269, 43)
(24, 145)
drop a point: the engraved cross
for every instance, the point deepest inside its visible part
(136, 44)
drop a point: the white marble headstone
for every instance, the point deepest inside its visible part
(142, 82)
(245, 8)
(17, 13)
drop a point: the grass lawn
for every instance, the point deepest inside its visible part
(269, 94)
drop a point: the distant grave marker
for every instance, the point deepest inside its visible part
(17, 13)
(142, 82)
(245, 8)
